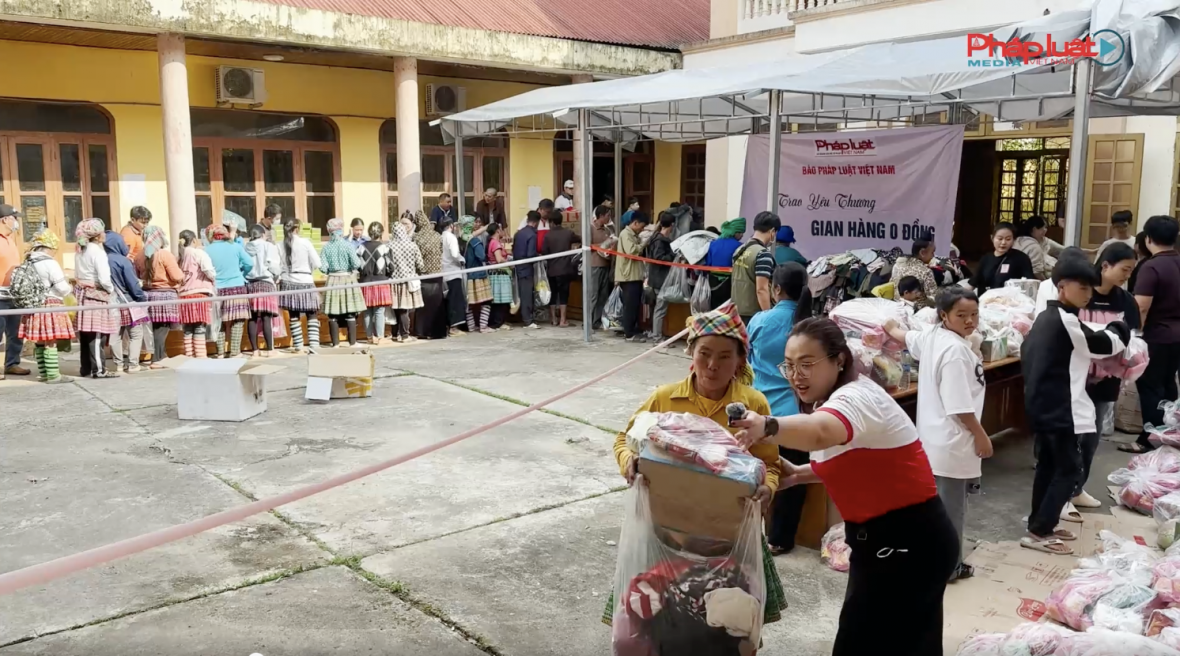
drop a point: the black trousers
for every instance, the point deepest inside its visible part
(897, 575)
(1059, 468)
(787, 507)
(430, 319)
(1088, 443)
(456, 303)
(524, 287)
(499, 315)
(90, 345)
(632, 296)
(1158, 383)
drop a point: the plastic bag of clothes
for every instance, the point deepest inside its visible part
(668, 601)
(1169, 433)
(1141, 487)
(1102, 642)
(834, 550)
(1163, 626)
(865, 318)
(612, 313)
(1028, 639)
(1167, 579)
(1128, 365)
(1072, 602)
(1125, 608)
(1165, 459)
(1026, 286)
(542, 293)
(1166, 507)
(677, 286)
(703, 442)
(1129, 560)
(702, 296)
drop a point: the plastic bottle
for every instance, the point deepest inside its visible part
(905, 374)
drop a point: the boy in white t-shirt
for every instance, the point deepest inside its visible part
(1120, 232)
(950, 402)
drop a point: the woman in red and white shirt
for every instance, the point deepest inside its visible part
(866, 451)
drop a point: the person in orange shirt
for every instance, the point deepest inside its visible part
(9, 259)
(132, 233)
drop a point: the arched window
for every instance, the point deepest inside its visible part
(56, 164)
(245, 160)
(485, 164)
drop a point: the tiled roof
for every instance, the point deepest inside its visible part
(651, 23)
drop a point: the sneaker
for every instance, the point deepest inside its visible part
(532, 326)
(132, 369)
(1084, 500)
(637, 339)
(59, 380)
(16, 370)
(455, 332)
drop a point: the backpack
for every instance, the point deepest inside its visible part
(27, 288)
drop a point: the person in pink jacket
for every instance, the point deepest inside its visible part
(199, 277)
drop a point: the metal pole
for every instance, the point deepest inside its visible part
(460, 188)
(586, 193)
(620, 202)
(776, 142)
(1079, 144)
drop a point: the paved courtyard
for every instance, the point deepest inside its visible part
(502, 544)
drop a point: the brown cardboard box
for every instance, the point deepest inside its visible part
(694, 502)
(340, 374)
(1122, 522)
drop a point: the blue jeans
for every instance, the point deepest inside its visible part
(10, 327)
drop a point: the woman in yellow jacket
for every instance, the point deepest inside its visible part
(719, 376)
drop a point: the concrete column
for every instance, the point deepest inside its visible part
(409, 152)
(178, 136)
(578, 158)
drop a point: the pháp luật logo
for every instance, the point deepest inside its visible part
(845, 147)
(1104, 47)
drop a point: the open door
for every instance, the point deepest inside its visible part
(1113, 168)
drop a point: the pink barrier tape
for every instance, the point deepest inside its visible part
(289, 292)
(61, 567)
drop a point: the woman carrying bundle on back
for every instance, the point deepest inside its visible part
(299, 260)
(264, 272)
(377, 258)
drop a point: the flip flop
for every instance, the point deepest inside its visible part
(1070, 514)
(1133, 447)
(1064, 535)
(1054, 547)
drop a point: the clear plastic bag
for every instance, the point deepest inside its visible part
(677, 286)
(1141, 487)
(1167, 579)
(1165, 459)
(702, 296)
(541, 289)
(1169, 533)
(1169, 433)
(1125, 608)
(612, 313)
(834, 550)
(703, 442)
(668, 601)
(1162, 625)
(1128, 365)
(1010, 298)
(1033, 639)
(1102, 642)
(983, 644)
(1072, 602)
(1127, 559)
(865, 318)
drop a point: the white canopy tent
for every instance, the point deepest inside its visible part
(886, 82)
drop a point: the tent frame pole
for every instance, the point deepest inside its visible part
(585, 186)
(1079, 145)
(460, 188)
(776, 143)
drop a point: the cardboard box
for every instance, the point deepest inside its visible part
(692, 500)
(340, 374)
(1121, 522)
(221, 390)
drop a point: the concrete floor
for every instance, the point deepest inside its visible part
(503, 544)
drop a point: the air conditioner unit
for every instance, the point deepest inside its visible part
(240, 86)
(444, 99)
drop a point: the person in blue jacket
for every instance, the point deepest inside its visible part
(232, 264)
(127, 290)
(768, 342)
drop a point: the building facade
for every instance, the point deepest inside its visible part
(1009, 171)
(320, 107)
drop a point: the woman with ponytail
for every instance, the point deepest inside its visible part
(199, 280)
(768, 341)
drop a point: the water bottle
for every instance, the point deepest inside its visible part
(905, 375)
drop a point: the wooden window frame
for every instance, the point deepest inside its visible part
(54, 193)
(686, 151)
(478, 155)
(218, 194)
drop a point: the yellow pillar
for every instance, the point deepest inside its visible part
(409, 151)
(178, 135)
(360, 169)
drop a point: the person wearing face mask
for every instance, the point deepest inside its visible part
(868, 455)
(950, 403)
(9, 259)
(1004, 263)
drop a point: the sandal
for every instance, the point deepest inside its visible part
(964, 571)
(1051, 546)
(1133, 447)
(1070, 514)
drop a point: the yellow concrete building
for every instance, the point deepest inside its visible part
(189, 109)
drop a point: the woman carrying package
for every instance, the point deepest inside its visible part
(768, 339)
(46, 328)
(866, 451)
(950, 403)
(719, 376)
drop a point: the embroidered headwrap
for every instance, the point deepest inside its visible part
(335, 226)
(216, 232)
(724, 322)
(88, 230)
(733, 227)
(45, 239)
(466, 227)
(154, 240)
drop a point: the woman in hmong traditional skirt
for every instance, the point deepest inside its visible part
(48, 327)
(93, 286)
(479, 288)
(199, 280)
(501, 279)
(299, 260)
(340, 263)
(232, 264)
(265, 269)
(407, 263)
(162, 278)
(378, 266)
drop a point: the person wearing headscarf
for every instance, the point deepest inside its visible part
(407, 263)
(128, 344)
(719, 375)
(429, 321)
(479, 286)
(232, 264)
(44, 329)
(720, 254)
(378, 267)
(339, 261)
(299, 259)
(784, 247)
(500, 279)
(200, 279)
(162, 278)
(262, 277)
(93, 286)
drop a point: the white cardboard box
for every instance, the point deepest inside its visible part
(340, 374)
(221, 390)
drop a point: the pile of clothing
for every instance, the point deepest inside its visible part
(1169, 433)
(1049, 640)
(1006, 314)
(1149, 477)
(694, 442)
(834, 279)
(874, 352)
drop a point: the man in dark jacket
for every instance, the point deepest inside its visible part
(524, 245)
(1055, 359)
(490, 208)
(659, 248)
(561, 271)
